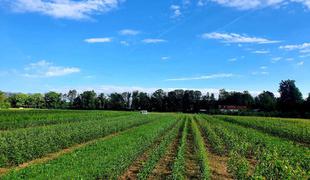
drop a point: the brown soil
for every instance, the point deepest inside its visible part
(193, 170)
(55, 155)
(217, 163)
(218, 167)
(163, 169)
(134, 168)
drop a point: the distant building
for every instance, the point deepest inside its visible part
(230, 108)
(143, 112)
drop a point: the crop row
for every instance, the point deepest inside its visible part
(202, 152)
(296, 130)
(159, 151)
(178, 169)
(105, 159)
(27, 144)
(10, 120)
(275, 158)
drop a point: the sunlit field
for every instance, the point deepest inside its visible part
(64, 144)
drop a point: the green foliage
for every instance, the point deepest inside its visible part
(105, 159)
(290, 96)
(158, 152)
(52, 100)
(15, 119)
(26, 144)
(252, 143)
(178, 168)
(294, 129)
(238, 166)
(202, 152)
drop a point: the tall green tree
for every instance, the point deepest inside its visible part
(135, 103)
(88, 100)
(52, 100)
(3, 101)
(18, 100)
(101, 101)
(266, 101)
(72, 94)
(158, 100)
(117, 101)
(35, 100)
(290, 96)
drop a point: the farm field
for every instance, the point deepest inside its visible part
(64, 144)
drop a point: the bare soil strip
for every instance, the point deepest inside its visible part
(163, 169)
(134, 168)
(193, 170)
(217, 163)
(55, 155)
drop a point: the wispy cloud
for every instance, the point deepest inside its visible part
(44, 68)
(254, 4)
(212, 76)
(98, 40)
(301, 63)
(153, 41)
(232, 59)
(165, 58)
(236, 38)
(125, 43)
(129, 32)
(176, 11)
(68, 9)
(261, 52)
(302, 48)
(248, 4)
(275, 59)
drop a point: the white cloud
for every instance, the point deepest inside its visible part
(261, 52)
(255, 73)
(232, 59)
(153, 41)
(275, 59)
(212, 76)
(254, 4)
(98, 40)
(125, 43)
(165, 58)
(302, 48)
(129, 32)
(248, 4)
(68, 9)
(47, 69)
(263, 67)
(237, 38)
(301, 63)
(176, 11)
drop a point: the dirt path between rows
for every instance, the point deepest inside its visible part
(217, 163)
(55, 155)
(163, 169)
(135, 167)
(192, 167)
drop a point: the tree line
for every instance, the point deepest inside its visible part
(290, 102)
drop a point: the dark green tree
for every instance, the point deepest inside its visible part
(88, 100)
(158, 101)
(290, 96)
(3, 101)
(18, 100)
(52, 100)
(72, 94)
(266, 101)
(101, 101)
(116, 101)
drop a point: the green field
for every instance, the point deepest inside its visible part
(64, 144)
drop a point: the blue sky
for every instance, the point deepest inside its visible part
(122, 45)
